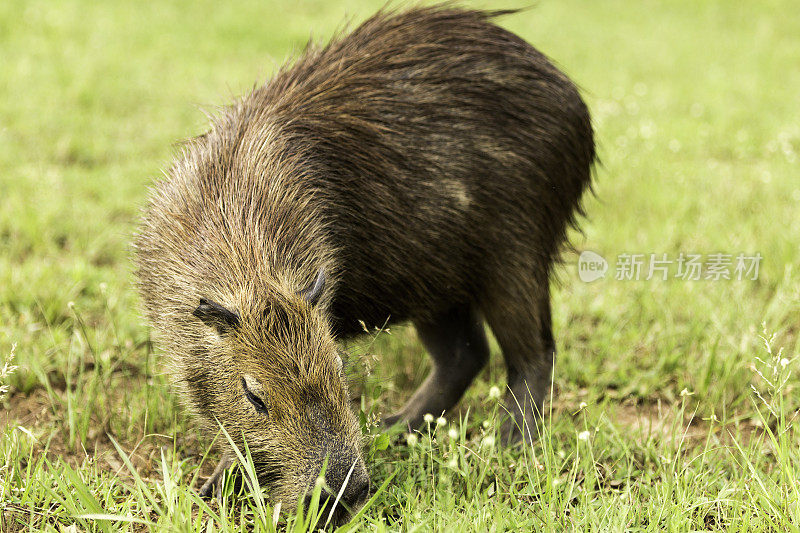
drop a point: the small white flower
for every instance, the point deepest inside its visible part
(784, 362)
(441, 421)
(71, 305)
(494, 392)
(581, 406)
(412, 439)
(428, 418)
(584, 435)
(685, 392)
(320, 481)
(452, 433)
(486, 424)
(488, 441)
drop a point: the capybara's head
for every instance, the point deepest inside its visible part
(277, 385)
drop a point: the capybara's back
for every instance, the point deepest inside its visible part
(422, 168)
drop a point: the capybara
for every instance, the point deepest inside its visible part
(424, 167)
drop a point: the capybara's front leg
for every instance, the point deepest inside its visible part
(213, 485)
(456, 342)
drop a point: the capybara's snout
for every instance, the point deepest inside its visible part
(345, 485)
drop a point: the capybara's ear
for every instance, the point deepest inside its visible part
(313, 292)
(215, 315)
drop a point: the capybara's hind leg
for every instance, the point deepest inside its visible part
(456, 341)
(519, 316)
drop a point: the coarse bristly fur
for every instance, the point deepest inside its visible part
(429, 163)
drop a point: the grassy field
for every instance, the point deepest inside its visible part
(674, 402)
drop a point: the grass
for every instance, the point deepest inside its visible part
(674, 403)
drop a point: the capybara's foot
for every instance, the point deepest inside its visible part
(213, 485)
(524, 409)
(396, 420)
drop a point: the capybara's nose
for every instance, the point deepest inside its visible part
(358, 495)
(353, 496)
(346, 477)
(327, 502)
(323, 497)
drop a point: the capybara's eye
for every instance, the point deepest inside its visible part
(257, 402)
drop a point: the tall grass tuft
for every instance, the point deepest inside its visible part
(6, 370)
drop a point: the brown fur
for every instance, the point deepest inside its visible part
(430, 163)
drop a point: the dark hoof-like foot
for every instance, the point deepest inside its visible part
(390, 421)
(511, 434)
(213, 485)
(396, 422)
(522, 425)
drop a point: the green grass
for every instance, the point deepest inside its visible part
(674, 406)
